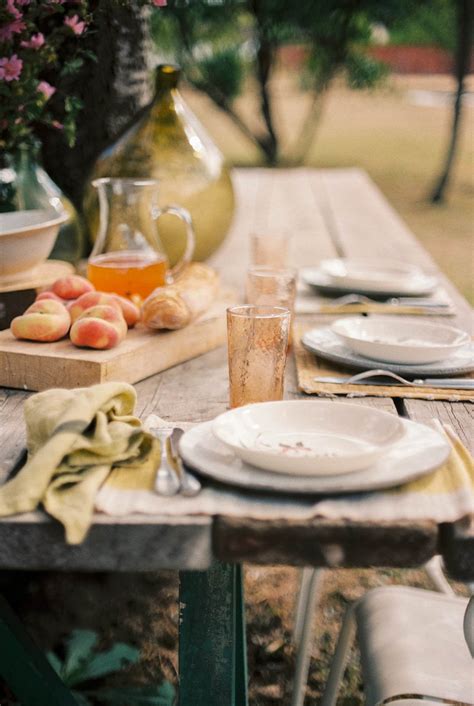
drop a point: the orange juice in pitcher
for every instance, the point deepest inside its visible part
(128, 257)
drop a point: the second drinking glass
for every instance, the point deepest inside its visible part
(272, 287)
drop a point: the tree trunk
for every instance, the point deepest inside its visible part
(265, 61)
(113, 90)
(465, 16)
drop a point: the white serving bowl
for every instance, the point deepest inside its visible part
(395, 340)
(26, 239)
(302, 437)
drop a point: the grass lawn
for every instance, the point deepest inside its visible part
(400, 144)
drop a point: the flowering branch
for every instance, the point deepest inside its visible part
(41, 42)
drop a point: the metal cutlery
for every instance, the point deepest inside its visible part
(190, 485)
(365, 378)
(423, 302)
(167, 481)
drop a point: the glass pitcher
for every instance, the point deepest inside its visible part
(128, 257)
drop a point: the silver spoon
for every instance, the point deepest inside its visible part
(166, 481)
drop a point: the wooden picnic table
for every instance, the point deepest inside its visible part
(330, 213)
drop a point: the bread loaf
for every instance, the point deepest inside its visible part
(176, 305)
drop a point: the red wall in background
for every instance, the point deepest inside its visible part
(414, 60)
(402, 59)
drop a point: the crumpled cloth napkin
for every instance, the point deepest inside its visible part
(74, 439)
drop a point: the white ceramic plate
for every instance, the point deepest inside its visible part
(384, 274)
(416, 286)
(310, 437)
(325, 344)
(405, 341)
(419, 451)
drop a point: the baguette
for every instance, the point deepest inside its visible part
(176, 305)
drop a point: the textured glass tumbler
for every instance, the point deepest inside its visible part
(270, 249)
(257, 339)
(271, 287)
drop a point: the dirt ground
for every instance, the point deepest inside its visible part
(143, 611)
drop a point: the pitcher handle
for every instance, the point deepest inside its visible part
(185, 216)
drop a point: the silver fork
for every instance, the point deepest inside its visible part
(454, 383)
(348, 299)
(166, 481)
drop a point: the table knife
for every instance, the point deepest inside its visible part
(189, 484)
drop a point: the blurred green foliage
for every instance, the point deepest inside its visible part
(428, 24)
(220, 44)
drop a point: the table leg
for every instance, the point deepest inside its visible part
(25, 668)
(212, 649)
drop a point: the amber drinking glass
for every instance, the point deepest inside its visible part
(270, 249)
(257, 338)
(271, 287)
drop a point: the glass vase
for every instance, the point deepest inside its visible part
(25, 185)
(169, 144)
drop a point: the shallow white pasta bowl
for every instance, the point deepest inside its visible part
(27, 238)
(313, 437)
(395, 340)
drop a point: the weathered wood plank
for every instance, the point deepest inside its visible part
(324, 542)
(458, 414)
(133, 543)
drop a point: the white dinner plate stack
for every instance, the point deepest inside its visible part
(312, 446)
(373, 277)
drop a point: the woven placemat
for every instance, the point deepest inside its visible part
(309, 366)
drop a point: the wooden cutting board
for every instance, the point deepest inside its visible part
(39, 366)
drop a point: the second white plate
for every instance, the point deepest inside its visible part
(412, 287)
(405, 341)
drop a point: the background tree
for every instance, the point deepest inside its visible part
(464, 10)
(113, 88)
(220, 45)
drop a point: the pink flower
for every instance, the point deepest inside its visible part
(35, 42)
(56, 124)
(13, 10)
(46, 89)
(14, 27)
(10, 68)
(75, 24)
(159, 3)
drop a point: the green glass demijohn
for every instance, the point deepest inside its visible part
(169, 144)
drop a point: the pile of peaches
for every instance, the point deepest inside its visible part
(72, 305)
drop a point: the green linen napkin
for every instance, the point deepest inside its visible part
(74, 439)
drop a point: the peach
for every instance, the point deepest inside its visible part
(45, 320)
(99, 327)
(90, 299)
(48, 295)
(131, 313)
(72, 286)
